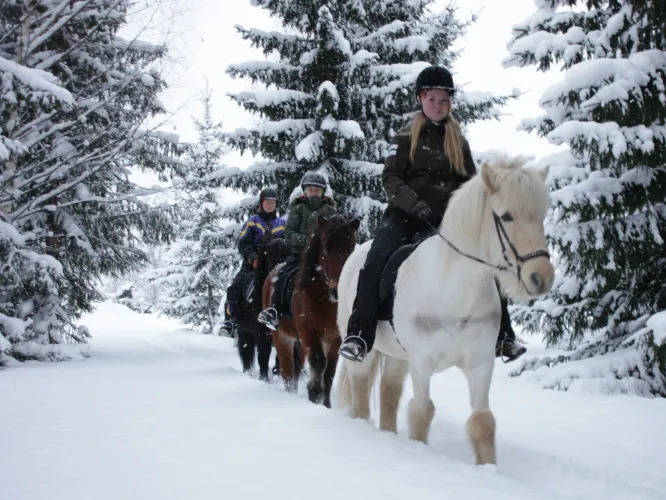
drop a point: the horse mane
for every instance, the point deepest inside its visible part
(271, 252)
(310, 258)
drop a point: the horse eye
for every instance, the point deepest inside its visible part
(507, 217)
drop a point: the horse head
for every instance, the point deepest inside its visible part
(501, 213)
(333, 241)
(272, 251)
(277, 251)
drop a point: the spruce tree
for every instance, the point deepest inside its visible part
(608, 221)
(342, 87)
(204, 260)
(74, 101)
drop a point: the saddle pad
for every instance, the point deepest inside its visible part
(390, 274)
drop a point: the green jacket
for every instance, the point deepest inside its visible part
(303, 214)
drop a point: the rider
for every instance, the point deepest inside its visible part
(427, 160)
(303, 214)
(252, 233)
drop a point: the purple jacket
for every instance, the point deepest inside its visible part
(253, 232)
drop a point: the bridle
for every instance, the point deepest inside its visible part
(504, 240)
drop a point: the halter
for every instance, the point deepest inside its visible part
(502, 236)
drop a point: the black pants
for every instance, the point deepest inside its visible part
(506, 330)
(290, 265)
(398, 228)
(235, 291)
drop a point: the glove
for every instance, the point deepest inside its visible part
(421, 210)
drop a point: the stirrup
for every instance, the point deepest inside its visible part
(353, 350)
(514, 355)
(269, 318)
(228, 329)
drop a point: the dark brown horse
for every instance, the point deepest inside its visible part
(314, 321)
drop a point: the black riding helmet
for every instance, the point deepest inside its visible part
(434, 77)
(313, 179)
(268, 194)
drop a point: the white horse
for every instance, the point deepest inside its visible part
(447, 306)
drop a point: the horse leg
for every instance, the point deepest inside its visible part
(390, 391)
(284, 347)
(264, 347)
(481, 423)
(421, 409)
(314, 352)
(245, 348)
(299, 359)
(361, 379)
(331, 365)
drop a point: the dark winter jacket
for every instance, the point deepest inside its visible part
(431, 178)
(254, 230)
(303, 214)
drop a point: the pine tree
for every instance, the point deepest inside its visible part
(74, 100)
(343, 86)
(608, 222)
(204, 260)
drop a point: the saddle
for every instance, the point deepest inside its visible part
(390, 274)
(283, 288)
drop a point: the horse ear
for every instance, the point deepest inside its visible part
(489, 178)
(322, 220)
(355, 224)
(542, 172)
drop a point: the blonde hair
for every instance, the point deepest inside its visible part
(452, 141)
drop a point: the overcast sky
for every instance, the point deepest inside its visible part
(207, 43)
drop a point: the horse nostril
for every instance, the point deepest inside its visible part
(536, 279)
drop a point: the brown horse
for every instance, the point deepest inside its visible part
(314, 321)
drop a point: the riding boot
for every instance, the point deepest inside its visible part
(230, 324)
(507, 346)
(270, 316)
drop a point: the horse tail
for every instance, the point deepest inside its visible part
(345, 375)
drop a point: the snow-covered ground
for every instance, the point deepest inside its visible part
(162, 413)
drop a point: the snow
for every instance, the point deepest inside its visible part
(36, 79)
(413, 43)
(542, 43)
(257, 66)
(159, 412)
(171, 137)
(362, 57)
(328, 87)
(607, 374)
(9, 233)
(350, 129)
(657, 323)
(147, 80)
(627, 75)
(308, 148)
(272, 97)
(289, 126)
